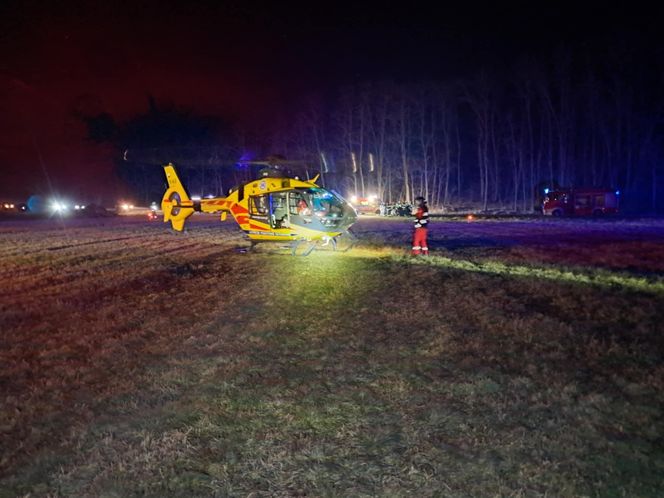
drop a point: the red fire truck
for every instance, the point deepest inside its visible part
(580, 202)
(366, 205)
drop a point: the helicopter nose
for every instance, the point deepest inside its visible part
(350, 217)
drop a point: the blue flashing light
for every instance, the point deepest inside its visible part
(546, 190)
(617, 192)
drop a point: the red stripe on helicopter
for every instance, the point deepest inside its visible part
(216, 203)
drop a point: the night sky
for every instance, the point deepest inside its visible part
(242, 61)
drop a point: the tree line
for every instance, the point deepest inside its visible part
(493, 139)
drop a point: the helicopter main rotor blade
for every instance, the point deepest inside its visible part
(206, 157)
(203, 156)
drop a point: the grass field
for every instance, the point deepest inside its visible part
(523, 358)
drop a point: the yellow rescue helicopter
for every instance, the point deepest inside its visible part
(275, 207)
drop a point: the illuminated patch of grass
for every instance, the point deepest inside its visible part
(600, 278)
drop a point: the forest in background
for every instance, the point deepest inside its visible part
(493, 140)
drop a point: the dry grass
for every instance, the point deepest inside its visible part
(137, 362)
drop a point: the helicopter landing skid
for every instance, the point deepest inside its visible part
(251, 248)
(352, 240)
(297, 245)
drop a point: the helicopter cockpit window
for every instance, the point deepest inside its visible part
(299, 203)
(321, 203)
(326, 205)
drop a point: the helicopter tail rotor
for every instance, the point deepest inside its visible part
(176, 204)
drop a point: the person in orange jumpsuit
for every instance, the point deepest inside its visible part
(421, 224)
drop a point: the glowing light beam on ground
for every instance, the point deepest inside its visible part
(598, 277)
(601, 278)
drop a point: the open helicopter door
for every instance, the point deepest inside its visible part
(270, 209)
(278, 205)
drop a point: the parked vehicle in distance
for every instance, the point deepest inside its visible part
(365, 205)
(581, 202)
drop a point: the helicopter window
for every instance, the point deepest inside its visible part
(299, 203)
(325, 204)
(258, 206)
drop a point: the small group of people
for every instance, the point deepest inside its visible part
(398, 209)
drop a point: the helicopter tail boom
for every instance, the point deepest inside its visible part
(176, 204)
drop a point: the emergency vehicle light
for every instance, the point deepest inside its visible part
(58, 207)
